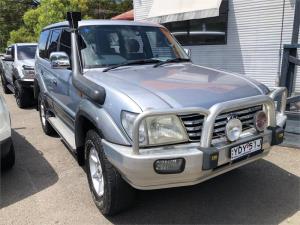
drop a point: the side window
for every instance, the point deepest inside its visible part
(53, 41)
(65, 43)
(43, 44)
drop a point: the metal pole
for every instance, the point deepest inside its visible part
(291, 74)
(296, 25)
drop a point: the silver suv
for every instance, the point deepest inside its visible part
(128, 101)
(18, 74)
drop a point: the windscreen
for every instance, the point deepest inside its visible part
(106, 45)
(26, 52)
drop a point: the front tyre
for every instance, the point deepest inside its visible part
(22, 95)
(110, 192)
(47, 128)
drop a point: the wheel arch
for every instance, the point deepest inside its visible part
(89, 116)
(15, 75)
(36, 89)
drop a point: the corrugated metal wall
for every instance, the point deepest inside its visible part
(253, 41)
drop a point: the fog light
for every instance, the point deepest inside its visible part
(233, 129)
(260, 121)
(169, 166)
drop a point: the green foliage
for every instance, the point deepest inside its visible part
(52, 11)
(21, 35)
(11, 13)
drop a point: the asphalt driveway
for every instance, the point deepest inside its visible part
(46, 186)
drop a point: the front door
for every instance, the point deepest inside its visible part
(66, 96)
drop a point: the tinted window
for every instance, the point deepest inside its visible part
(26, 52)
(53, 41)
(65, 43)
(208, 31)
(43, 44)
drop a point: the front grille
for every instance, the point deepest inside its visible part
(193, 122)
(193, 125)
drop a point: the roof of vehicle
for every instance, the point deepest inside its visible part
(104, 22)
(25, 44)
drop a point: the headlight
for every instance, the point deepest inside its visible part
(127, 122)
(165, 130)
(260, 121)
(156, 130)
(233, 129)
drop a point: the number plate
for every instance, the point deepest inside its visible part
(246, 148)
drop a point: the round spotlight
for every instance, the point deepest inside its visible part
(233, 129)
(260, 121)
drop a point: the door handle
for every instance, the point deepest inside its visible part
(54, 82)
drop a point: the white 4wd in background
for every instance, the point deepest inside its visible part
(6, 145)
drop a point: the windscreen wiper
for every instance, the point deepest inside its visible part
(132, 62)
(171, 61)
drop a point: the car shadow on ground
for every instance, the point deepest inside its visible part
(259, 193)
(31, 173)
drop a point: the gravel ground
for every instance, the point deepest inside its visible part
(47, 186)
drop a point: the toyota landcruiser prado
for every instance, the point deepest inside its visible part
(126, 98)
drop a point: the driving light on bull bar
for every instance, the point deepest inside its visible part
(260, 121)
(169, 166)
(233, 129)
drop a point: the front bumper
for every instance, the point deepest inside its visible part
(5, 146)
(137, 164)
(27, 82)
(138, 170)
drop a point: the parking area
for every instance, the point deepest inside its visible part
(47, 186)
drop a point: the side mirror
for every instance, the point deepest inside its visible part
(59, 60)
(8, 58)
(188, 52)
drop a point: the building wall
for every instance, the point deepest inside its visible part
(253, 41)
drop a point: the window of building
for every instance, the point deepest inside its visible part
(43, 44)
(207, 31)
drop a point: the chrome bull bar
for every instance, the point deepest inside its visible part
(211, 114)
(282, 93)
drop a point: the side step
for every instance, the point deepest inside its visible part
(64, 131)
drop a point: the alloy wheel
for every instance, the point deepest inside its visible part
(96, 172)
